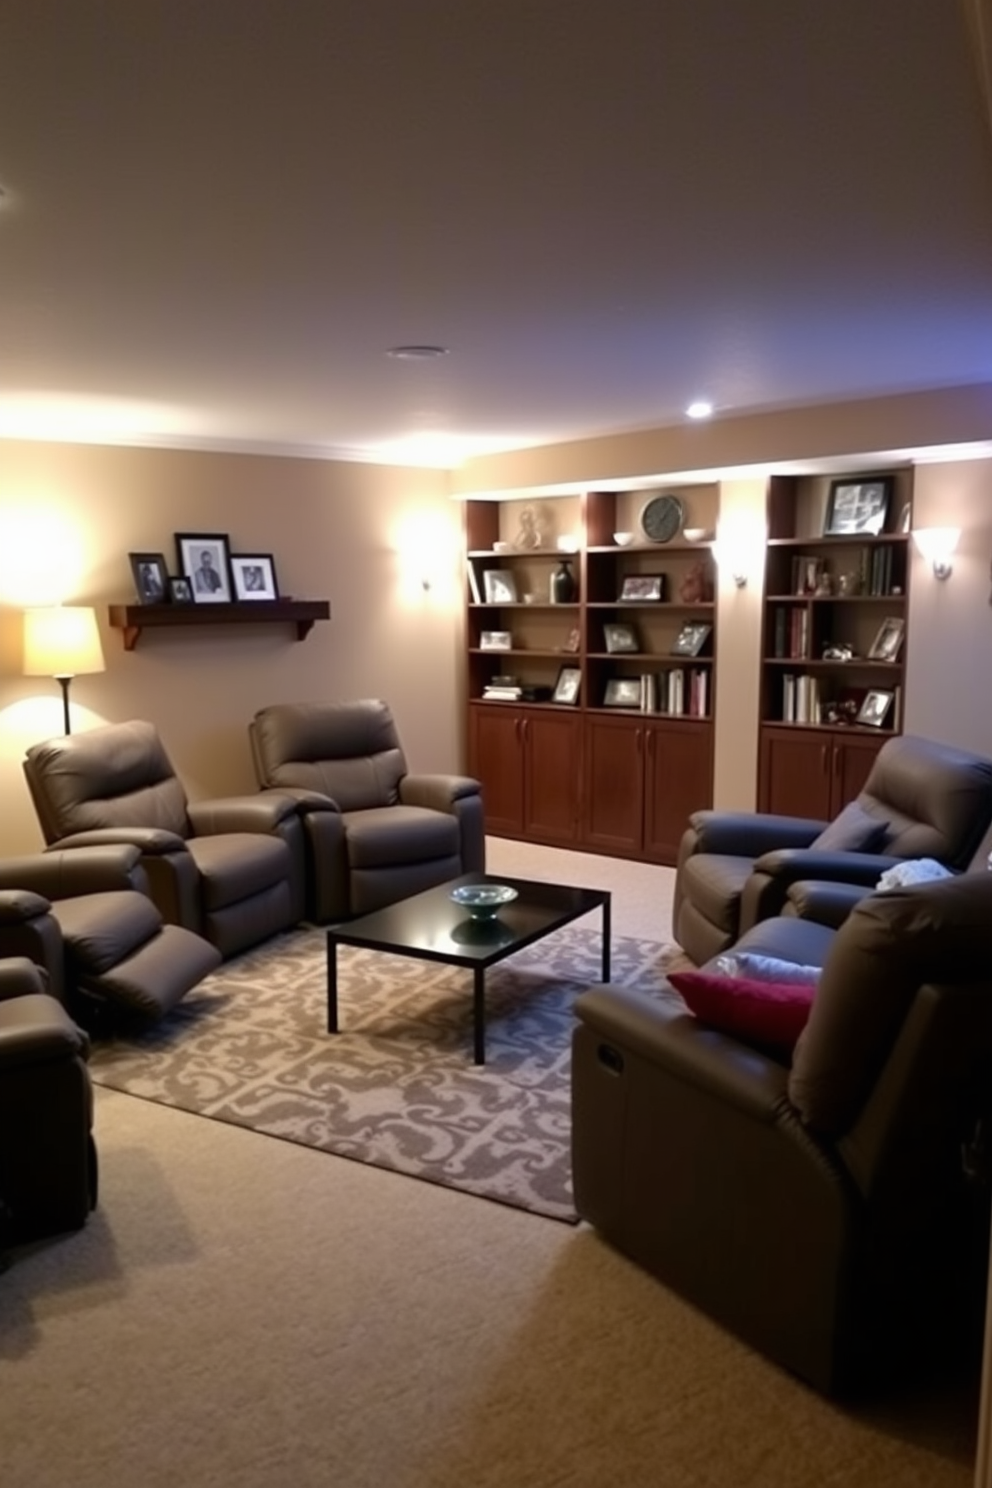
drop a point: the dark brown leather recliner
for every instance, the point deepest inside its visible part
(823, 1212)
(922, 799)
(375, 833)
(83, 914)
(231, 869)
(48, 1165)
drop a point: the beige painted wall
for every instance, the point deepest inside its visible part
(358, 535)
(740, 548)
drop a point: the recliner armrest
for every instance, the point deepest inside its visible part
(437, 792)
(748, 833)
(792, 864)
(261, 813)
(152, 841)
(62, 873)
(676, 1041)
(306, 800)
(824, 903)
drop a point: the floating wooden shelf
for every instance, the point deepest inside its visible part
(132, 619)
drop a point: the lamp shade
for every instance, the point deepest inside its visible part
(61, 641)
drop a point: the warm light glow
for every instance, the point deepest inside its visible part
(427, 543)
(81, 419)
(739, 548)
(44, 554)
(61, 641)
(937, 545)
(700, 408)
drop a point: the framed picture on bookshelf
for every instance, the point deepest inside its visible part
(691, 638)
(496, 640)
(857, 506)
(500, 586)
(874, 710)
(567, 685)
(620, 638)
(887, 644)
(622, 692)
(643, 586)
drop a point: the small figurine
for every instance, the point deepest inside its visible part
(695, 588)
(532, 532)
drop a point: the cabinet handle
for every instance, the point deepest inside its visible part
(824, 770)
(525, 729)
(649, 741)
(638, 741)
(836, 754)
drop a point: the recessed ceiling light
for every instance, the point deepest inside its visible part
(700, 408)
(417, 353)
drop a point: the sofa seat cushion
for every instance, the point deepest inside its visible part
(102, 929)
(769, 1014)
(235, 866)
(390, 836)
(159, 973)
(713, 884)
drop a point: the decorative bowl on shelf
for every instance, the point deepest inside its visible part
(623, 539)
(483, 901)
(697, 534)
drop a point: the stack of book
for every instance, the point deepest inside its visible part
(504, 689)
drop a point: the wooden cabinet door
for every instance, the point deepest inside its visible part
(853, 757)
(496, 760)
(551, 777)
(613, 785)
(678, 779)
(795, 773)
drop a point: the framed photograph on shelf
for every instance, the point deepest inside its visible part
(567, 685)
(859, 506)
(500, 586)
(151, 577)
(691, 638)
(875, 708)
(622, 692)
(254, 576)
(180, 591)
(620, 638)
(643, 586)
(888, 642)
(496, 640)
(573, 640)
(205, 559)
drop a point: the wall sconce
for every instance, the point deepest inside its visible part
(730, 558)
(62, 641)
(937, 545)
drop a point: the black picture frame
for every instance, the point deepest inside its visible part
(500, 586)
(857, 506)
(622, 692)
(151, 577)
(567, 685)
(254, 576)
(200, 555)
(618, 638)
(180, 590)
(635, 588)
(875, 707)
(691, 638)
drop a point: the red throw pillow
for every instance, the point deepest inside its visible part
(757, 1012)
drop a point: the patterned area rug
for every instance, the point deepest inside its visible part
(396, 1087)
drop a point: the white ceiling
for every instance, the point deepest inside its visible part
(219, 214)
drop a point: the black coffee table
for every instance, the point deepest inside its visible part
(431, 927)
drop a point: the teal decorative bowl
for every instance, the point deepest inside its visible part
(483, 901)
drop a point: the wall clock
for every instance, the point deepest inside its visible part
(661, 518)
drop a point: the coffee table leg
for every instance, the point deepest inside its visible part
(606, 938)
(332, 985)
(479, 1013)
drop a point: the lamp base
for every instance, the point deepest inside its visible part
(64, 684)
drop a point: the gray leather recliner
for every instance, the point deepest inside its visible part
(48, 1165)
(375, 833)
(735, 868)
(230, 869)
(827, 1212)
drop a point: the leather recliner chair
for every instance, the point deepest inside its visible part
(83, 914)
(48, 1165)
(825, 1212)
(922, 799)
(375, 833)
(231, 869)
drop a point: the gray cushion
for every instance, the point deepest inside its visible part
(852, 831)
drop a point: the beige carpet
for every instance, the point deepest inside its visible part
(244, 1313)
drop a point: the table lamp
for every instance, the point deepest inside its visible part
(62, 641)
